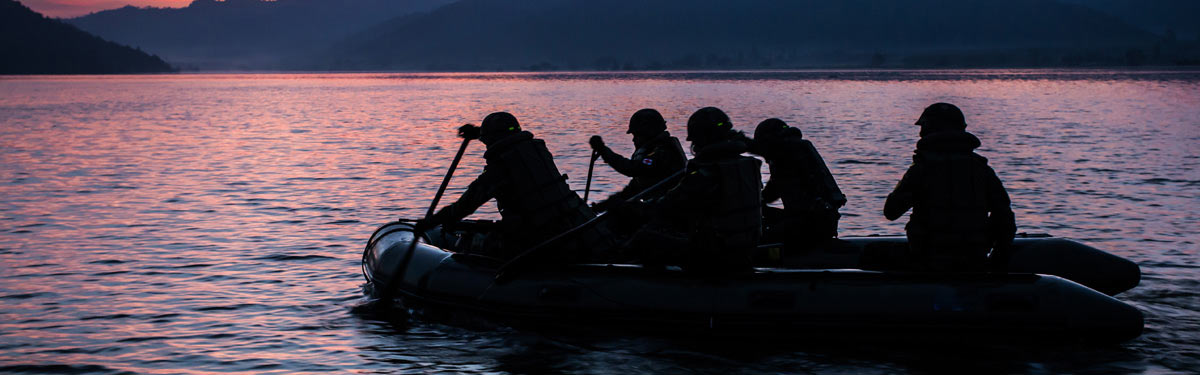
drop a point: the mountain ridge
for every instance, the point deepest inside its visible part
(243, 34)
(703, 34)
(484, 35)
(35, 44)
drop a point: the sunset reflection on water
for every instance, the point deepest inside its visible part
(201, 223)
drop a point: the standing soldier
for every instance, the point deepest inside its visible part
(657, 156)
(811, 198)
(960, 208)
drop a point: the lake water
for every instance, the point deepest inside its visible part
(214, 223)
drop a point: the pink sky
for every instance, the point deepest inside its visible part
(72, 8)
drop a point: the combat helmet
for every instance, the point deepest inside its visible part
(941, 116)
(497, 125)
(646, 122)
(773, 127)
(707, 125)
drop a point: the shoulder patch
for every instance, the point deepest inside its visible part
(648, 161)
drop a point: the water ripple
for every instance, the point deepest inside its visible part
(212, 223)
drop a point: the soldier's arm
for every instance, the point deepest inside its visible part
(627, 167)
(901, 199)
(659, 163)
(660, 167)
(478, 192)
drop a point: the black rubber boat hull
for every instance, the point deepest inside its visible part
(770, 301)
(1040, 254)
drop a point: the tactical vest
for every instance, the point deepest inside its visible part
(735, 218)
(535, 202)
(668, 151)
(951, 206)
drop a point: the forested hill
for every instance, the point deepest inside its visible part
(34, 44)
(244, 34)
(705, 34)
(1163, 17)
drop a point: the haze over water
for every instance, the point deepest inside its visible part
(214, 223)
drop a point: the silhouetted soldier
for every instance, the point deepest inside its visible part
(960, 208)
(533, 197)
(657, 156)
(712, 219)
(799, 177)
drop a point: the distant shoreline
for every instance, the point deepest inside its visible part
(800, 72)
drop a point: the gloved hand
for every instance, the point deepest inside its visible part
(468, 131)
(597, 143)
(443, 216)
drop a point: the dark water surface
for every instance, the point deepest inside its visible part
(214, 223)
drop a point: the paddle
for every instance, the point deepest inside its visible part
(591, 165)
(503, 275)
(446, 180)
(467, 132)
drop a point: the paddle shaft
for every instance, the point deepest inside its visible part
(588, 187)
(446, 180)
(412, 246)
(500, 273)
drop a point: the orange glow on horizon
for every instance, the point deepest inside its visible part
(75, 8)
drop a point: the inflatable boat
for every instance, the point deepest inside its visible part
(1055, 289)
